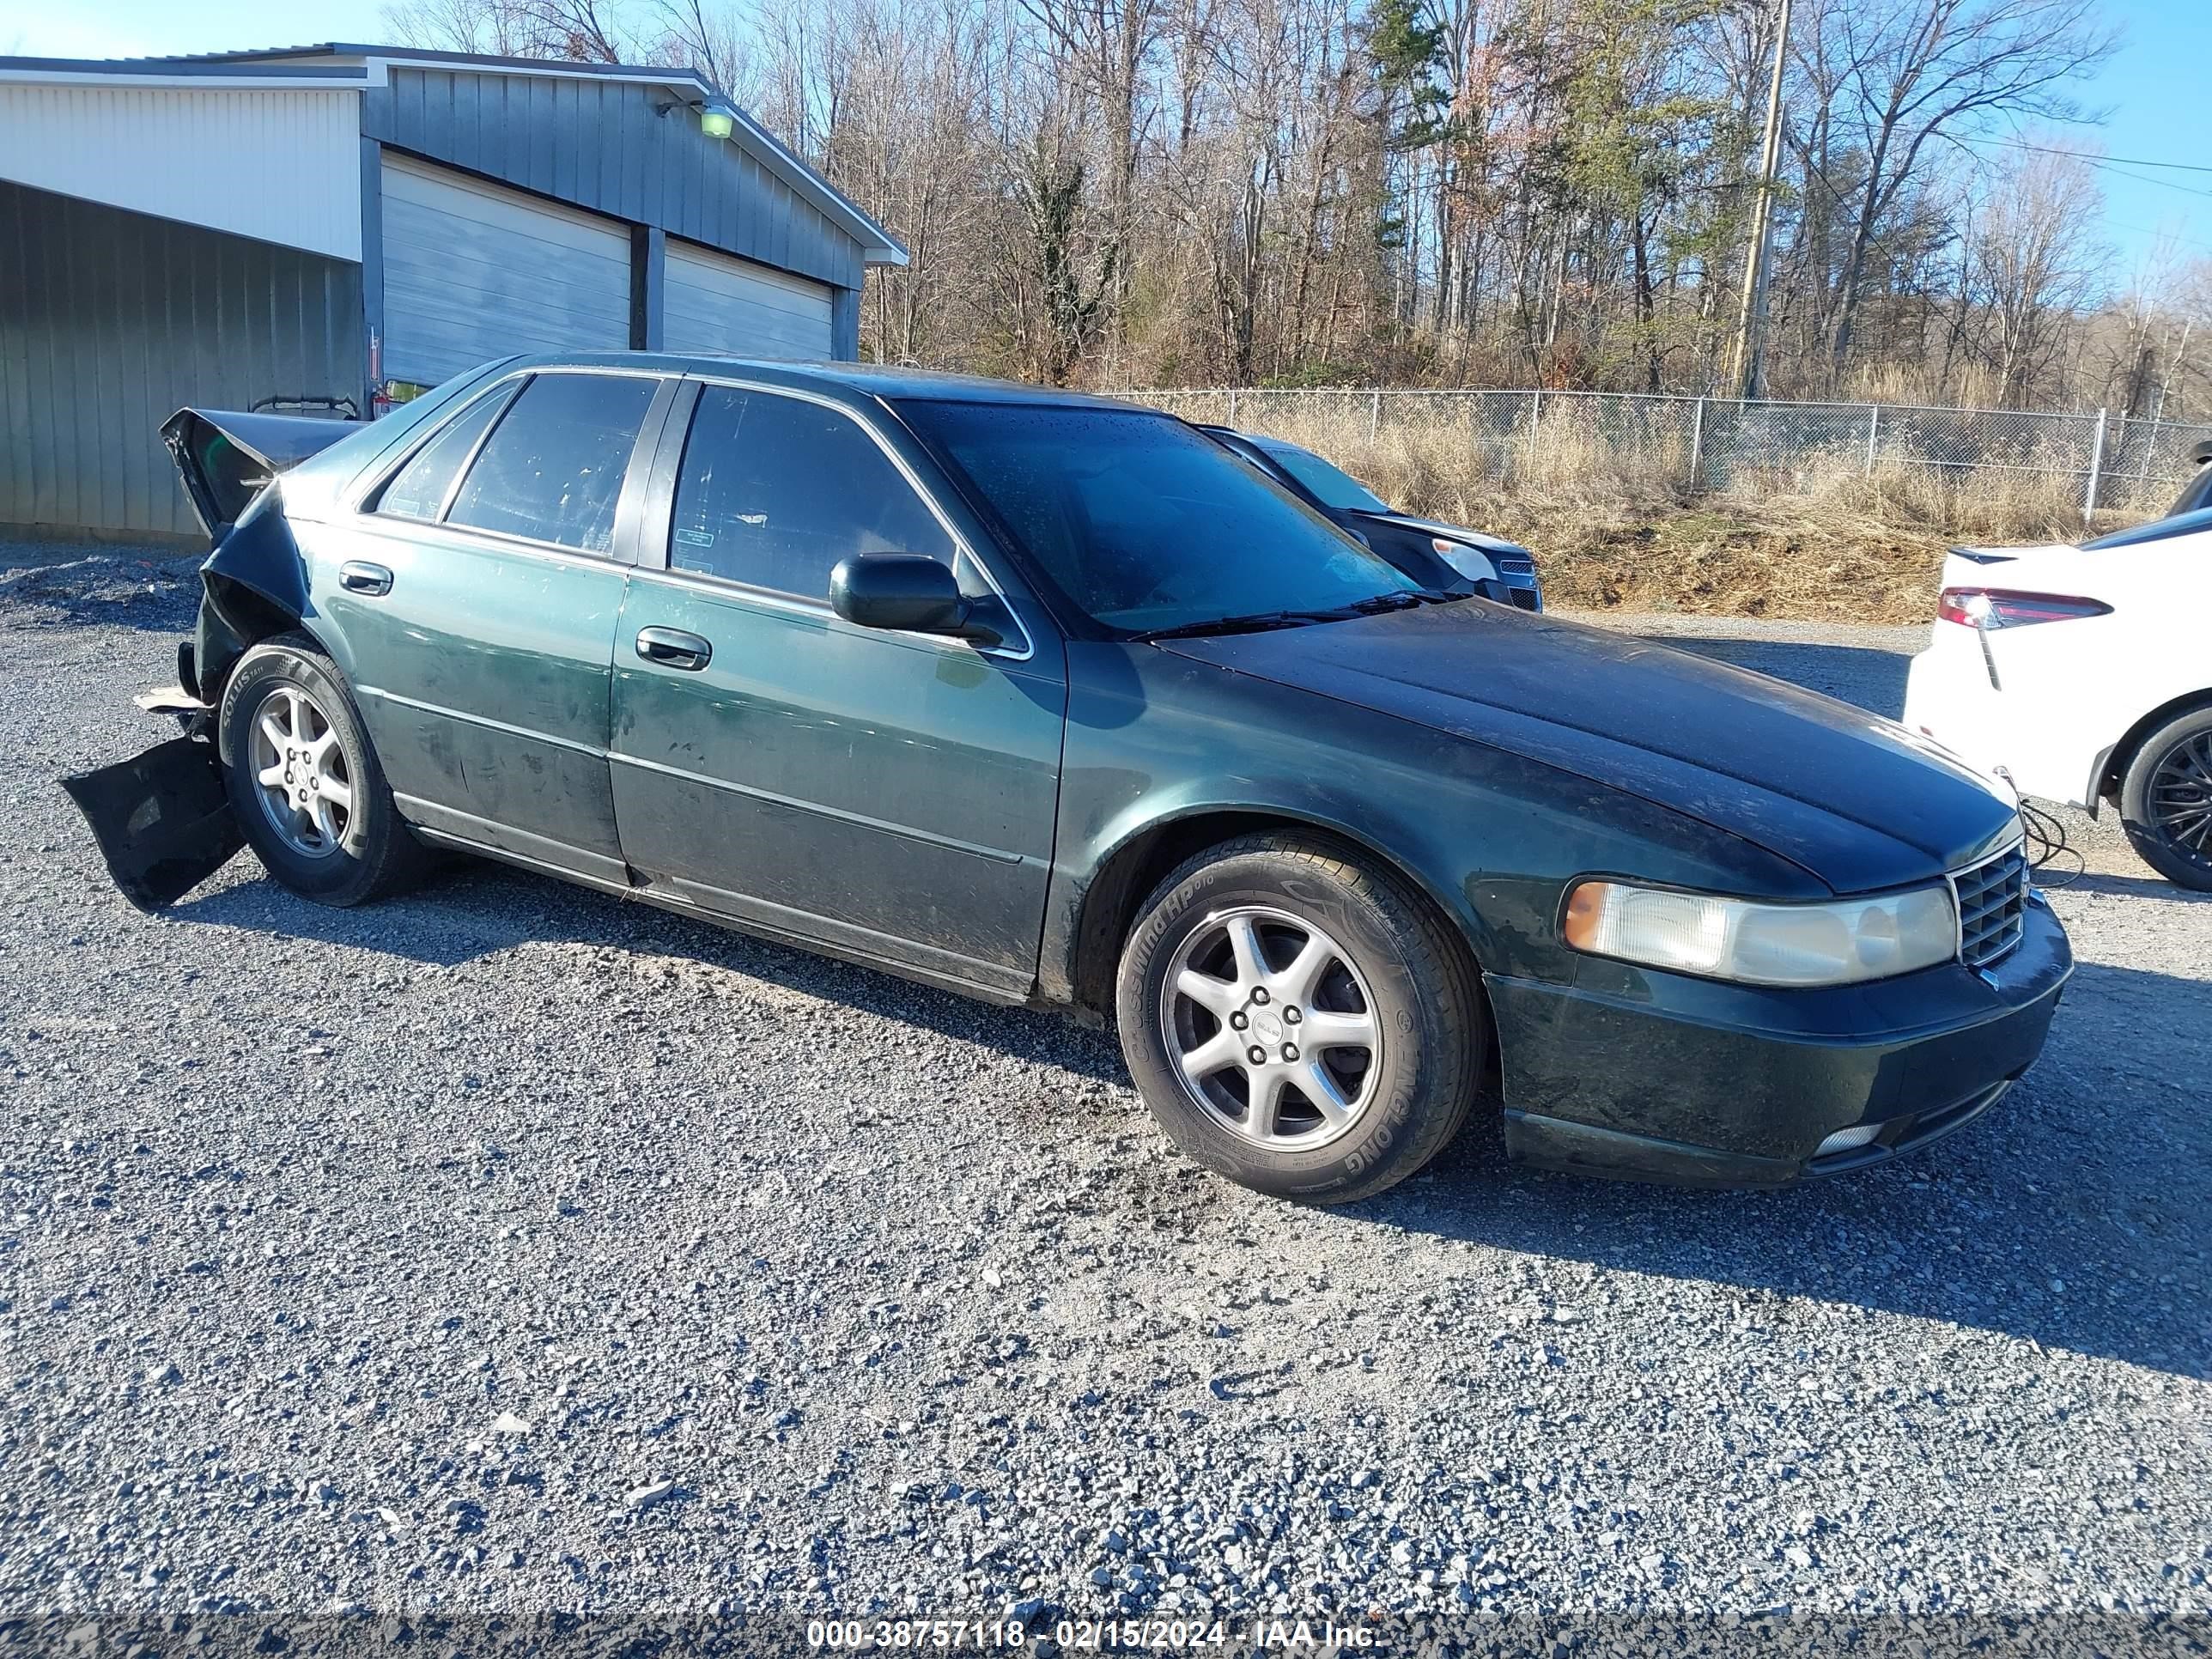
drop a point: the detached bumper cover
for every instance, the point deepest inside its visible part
(162, 820)
(1710, 1085)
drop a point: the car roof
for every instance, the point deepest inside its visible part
(864, 379)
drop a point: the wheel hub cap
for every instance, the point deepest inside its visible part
(306, 783)
(1272, 1028)
(2181, 797)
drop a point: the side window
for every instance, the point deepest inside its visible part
(418, 490)
(776, 490)
(553, 467)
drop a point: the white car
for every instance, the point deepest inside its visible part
(2083, 674)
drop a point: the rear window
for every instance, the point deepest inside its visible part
(2179, 524)
(553, 468)
(418, 490)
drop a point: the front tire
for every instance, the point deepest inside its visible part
(304, 782)
(1298, 1020)
(2165, 800)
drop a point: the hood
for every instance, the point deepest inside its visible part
(1857, 800)
(225, 457)
(1456, 532)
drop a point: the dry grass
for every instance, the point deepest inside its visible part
(1613, 526)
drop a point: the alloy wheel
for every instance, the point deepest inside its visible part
(1271, 1028)
(305, 787)
(2180, 798)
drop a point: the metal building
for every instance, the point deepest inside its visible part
(352, 223)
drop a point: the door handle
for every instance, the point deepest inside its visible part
(359, 576)
(672, 648)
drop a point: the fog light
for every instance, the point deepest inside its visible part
(1844, 1140)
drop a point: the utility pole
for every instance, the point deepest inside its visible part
(1748, 358)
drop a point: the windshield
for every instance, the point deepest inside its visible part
(1145, 524)
(1336, 488)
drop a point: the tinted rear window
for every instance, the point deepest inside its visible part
(552, 469)
(2179, 524)
(418, 490)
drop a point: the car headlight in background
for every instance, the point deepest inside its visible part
(1838, 942)
(1471, 562)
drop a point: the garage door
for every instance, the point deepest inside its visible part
(717, 303)
(473, 271)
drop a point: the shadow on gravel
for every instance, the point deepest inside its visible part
(1872, 678)
(2077, 1214)
(2149, 887)
(477, 908)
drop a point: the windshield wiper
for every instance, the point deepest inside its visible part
(1257, 623)
(1261, 620)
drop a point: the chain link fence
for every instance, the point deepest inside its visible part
(1716, 443)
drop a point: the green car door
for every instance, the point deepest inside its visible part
(887, 795)
(477, 602)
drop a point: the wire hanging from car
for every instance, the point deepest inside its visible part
(2046, 841)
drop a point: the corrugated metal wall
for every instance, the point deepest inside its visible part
(281, 164)
(603, 146)
(110, 321)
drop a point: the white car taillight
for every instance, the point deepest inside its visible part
(2000, 607)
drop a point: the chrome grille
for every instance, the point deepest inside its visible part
(1992, 908)
(1509, 564)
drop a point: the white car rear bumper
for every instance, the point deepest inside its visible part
(2043, 745)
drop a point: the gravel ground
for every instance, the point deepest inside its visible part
(507, 1248)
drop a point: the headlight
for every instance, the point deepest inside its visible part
(1471, 562)
(1838, 942)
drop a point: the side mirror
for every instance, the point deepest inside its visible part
(907, 591)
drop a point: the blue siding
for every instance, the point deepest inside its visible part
(602, 145)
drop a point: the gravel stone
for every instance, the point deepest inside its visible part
(716, 1206)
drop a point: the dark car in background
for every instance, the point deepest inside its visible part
(1047, 699)
(1439, 556)
(2197, 492)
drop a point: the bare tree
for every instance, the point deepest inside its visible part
(580, 31)
(1918, 71)
(1127, 192)
(2035, 264)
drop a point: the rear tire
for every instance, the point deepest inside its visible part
(304, 782)
(2165, 800)
(1298, 1020)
